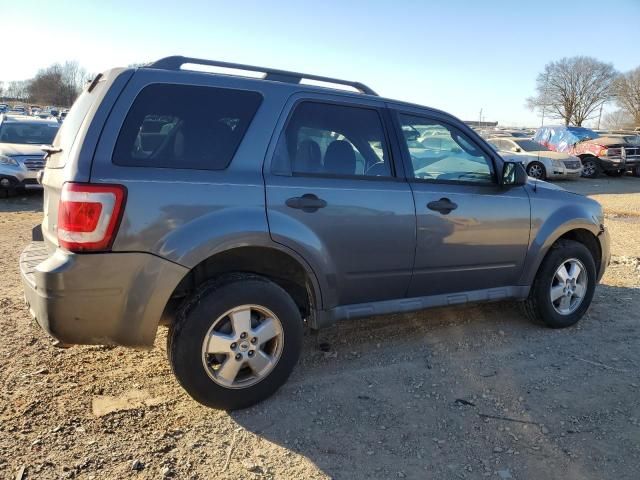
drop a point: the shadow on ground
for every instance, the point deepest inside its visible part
(602, 185)
(26, 201)
(466, 393)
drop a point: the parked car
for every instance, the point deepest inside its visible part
(539, 161)
(21, 155)
(259, 205)
(611, 154)
(4, 108)
(17, 110)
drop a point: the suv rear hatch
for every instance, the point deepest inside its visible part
(71, 154)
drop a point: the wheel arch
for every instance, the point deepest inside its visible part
(584, 233)
(277, 263)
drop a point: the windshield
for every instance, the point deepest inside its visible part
(28, 133)
(632, 139)
(531, 146)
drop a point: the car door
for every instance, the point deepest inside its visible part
(472, 233)
(335, 196)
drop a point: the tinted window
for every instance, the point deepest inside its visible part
(447, 155)
(180, 126)
(326, 139)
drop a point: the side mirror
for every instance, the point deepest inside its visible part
(518, 149)
(513, 174)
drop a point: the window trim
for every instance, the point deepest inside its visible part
(406, 156)
(384, 123)
(173, 167)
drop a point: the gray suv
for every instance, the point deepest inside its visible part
(237, 210)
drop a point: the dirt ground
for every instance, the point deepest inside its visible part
(460, 393)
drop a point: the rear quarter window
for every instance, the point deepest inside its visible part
(185, 126)
(66, 136)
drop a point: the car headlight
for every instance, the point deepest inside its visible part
(557, 163)
(4, 160)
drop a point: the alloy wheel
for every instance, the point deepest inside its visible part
(568, 286)
(535, 171)
(589, 168)
(242, 346)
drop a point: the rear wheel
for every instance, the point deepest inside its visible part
(590, 167)
(536, 170)
(564, 286)
(236, 342)
(636, 171)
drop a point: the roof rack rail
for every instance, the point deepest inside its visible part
(175, 62)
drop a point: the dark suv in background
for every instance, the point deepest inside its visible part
(234, 210)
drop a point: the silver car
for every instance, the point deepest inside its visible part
(21, 155)
(539, 161)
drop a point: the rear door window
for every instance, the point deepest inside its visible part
(185, 126)
(334, 140)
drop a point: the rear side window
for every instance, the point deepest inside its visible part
(333, 140)
(182, 126)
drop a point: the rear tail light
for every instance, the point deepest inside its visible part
(89, 216)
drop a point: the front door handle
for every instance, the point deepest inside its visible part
(444, 206)
(307, 202)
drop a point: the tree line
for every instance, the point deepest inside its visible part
(58, 84)
(576, 89)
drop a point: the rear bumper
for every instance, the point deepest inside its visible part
(102, 298)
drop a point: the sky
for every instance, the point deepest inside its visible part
(459, 56)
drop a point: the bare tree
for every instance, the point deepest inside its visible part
(627, 92)
(17, 90)
(58, 84)
(573, 89)
(1, 90)
(618, 120)
(74, 75)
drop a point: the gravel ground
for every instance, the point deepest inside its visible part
(468, 392)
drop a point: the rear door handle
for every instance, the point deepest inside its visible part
(307, 202)
(444, 206)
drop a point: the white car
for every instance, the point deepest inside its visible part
(538, 160)
(21, 155)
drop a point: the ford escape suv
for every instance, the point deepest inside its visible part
(235, 210)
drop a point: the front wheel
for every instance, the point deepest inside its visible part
(636, 171)
(590, 167)
(564, 285)
(235, 342)
(536, 170)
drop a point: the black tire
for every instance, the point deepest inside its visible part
(538, 307)
(186, 335)
(534, 167)
(636, 171)
(590, 167)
